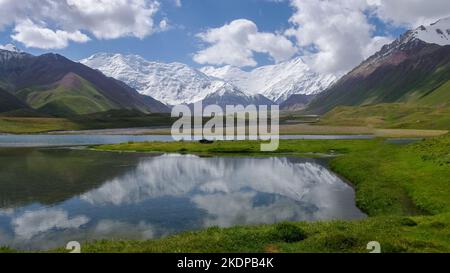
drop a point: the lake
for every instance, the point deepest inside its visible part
(50, 196)
(74, 140)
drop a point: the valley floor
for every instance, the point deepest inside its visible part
(15, 125)
(405, 190)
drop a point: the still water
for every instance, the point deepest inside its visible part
(49, 197)
(73, 140)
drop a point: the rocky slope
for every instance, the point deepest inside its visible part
(415, 68)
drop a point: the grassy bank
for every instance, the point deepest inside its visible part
(405, 189)
(107, 120)
(390, 115)
(20, 125)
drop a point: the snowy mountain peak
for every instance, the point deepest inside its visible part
(9, 52)
(171, 83)
(176, 83)
(407, 45)
(277, 82)
(436, 33)
(11, 48)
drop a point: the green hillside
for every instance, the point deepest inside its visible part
(72, 95)
(423, 79)
(9, 102)
(440, 96)
(430, 90)
(390, 115)
(53, 85)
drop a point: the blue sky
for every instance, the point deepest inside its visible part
(178, 43)
(288, 25)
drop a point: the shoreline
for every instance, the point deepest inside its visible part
(285, 129)
(391, 220)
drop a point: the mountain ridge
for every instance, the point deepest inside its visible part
(173, 83)
(37, 80)
(408, 70)
(9, 102)
(227, 96)
(277, 82)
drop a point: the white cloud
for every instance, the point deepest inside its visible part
(104, 19)
(411, 13)
(9, 47)
(32, 35)
(236, 42)
(110, 19)
(337, 35)
(163, 24)
(375, 45)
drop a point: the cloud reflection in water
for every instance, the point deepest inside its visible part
(171, 193)
(226, 188)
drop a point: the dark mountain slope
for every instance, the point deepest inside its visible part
(57, 85)
(9, 102)
(296, 102)
(50, 68)
(409, 70)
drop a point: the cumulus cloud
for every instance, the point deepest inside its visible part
(67, 20)
(110, 19)
(411, 13)
(235, 44)
(32, 35)
(337, 33)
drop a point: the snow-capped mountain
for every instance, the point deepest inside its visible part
(231, 95)
(277, 82)
(9, 51)
(10, 47)
(172, 83)
(437, 33)
(406, 46)
(414, 69)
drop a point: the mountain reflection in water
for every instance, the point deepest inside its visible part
(132, 196)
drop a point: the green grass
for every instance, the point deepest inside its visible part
(395, 234)
(438, 97)
(393, 116)
(122, 119)
(26, 125)
(77, 99)
(244, 147)
(405, 189)
(106, 120)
